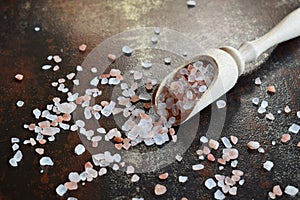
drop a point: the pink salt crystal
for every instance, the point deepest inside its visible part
(277, 190)
(287, 109)
(163, 176)
(82, 47)
(229, 181)
(235, 178)
(233, 190)
(71, 185)
(39, 151)
(206, 150)
(253, 145)
(44, 124)
(57, 59)
(111, 57)
(270, 116)
(233, 154)
(272, 195)
(226, 188)
(88, 165)
(298, 144)
(219, 177)
(56, 68)
(19, 77)
(221, 161)
(285, 138)
(114, 72)
(137, 75)
(271, 89)
(237, 172)
(211, 157)
(42, 141)
(213, 144)
(32, 141)
(233, 139)
(184, 198)
(160, 189)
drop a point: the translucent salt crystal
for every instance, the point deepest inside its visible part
(113, 81)
(102, 171)
(203, 139)
(14, 140)
(213, 144)
(46, 67)
(219, 195)
(154, 39)
(221, 104)
(46, 161)
(94, 81)
(92, 172)
(51, 138)
(198, 167)
(178, 158)
(104, 81)
(234, 163)
(13, 162)
(210, 183)
(160, 189)
(270, 116)
(127, 50)
(61, 190)
(294, 128)
(80, 123)
(134, 198)
(272, 195)
(264, 104)
(37, 113)
(117, 157)
(79, 68)
(137, 75)
(253, 145)
(241, 182)
(101, 130)
(18, 156)
(145, 96)
(226, 142)
(291, 190)
(135, 178)
(56, 68)
(20, 103)
(79, 149)
(15, 147)
(146, 65)
(255, 100)
(257, 81)
(72, 198)
(87, 113)
(157, 30)
(66, 107)
(233, 190)
(182, 179)
(74, 177)
(261, 110)
(57, 59)
(83, 175)
(261, 150)
(94, 70)
(202, 88)
(191, 3)
(167, 60)
(268, 165)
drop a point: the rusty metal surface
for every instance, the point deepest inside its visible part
(67, 24)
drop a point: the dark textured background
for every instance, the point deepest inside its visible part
(67, 24)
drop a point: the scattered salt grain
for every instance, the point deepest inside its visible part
(257, 81)
(233, 190)
(203, 139)
(270, 116)
(285, 138)
(221, 104)
(94, 70)
(167, 60)
(61, 190)
(154, 39)
(178, 158)
(111, 57)
(197, 167)
(46, 67)
(272, 195)
(264, 104)
(37, 29)
(287, 109)
(20, 103)
(79, 68)
(213, 144)
(261, 150)
(291, 190)
(82, 47)
(241, 182)
(13, 162)
(226, 142)
(94, 81)
(277, 190)
(182, 179)
(137, 75)
(294, 128)
(191, 3)
(46, 161)
(71, 76)
(127, 50)
(163, 176)
(233, 139)
(79, 149)
(15, 147)
(219, 195)
(102, 171)
(255, 100)
(234, 163)
(37, 113)
(19, 77)
(261, 110)
(57, 59)
(135, 178)
(268, 165)
(253, 145)
(146, 65)
(157, 30)
(160, 189)
(271, 89)
(49, 57)
(210, 183)
(56, 68)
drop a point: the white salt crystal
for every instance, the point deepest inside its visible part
(61, 190)
(80, 123)
(253, 145)
(57, 59)
(157, 30)
(261, 150)
(135, 178)
(127, 50)
(14, 140)
(221, 168)
(203, 139)
(64, 126)
(202, 88)
(198, 167)
(115, 167)
(37, 113)
(46, 67)
(13, 162)
(167, 60)
(92, 172)
(51, 138)
(291, 190)
(46, 161)
(72, 198)
(79, 149)
(37, 29)
(294, 128)
(117, 157)
(94, 70)
(79, 68)
(234, 163)
(182, 179)
(129, 169)
(74, 177)
(257, 81)
(264, 104)
(70, 76)
(241, 182)
(145, 96)
(268, 165)
(261, 110)
(219, 195)
(15, 147)
(178, 158)
(191, 3)
(76, 82)
(154, 39)
(94, 81)
(104, 81)
(101, 130)
(137, 75)
(18, 156)
(146, 65)
(270, 116)
(20, 103)
(273, 143)
(66, 107)
(255, 100)
(102, 171)
(221, 104)
(49, 57)
(210, 183)
(226, 142)
(113, 81)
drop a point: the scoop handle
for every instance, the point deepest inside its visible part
(288, 28)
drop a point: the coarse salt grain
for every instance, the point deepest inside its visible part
(46, 67)
(271, 89)
(268, 165)
(210, 183)
(277, 190)
(257, 81)
(82, 47)
(253, 145)
(111, 57)
(79, 149)
(287, 109)
(20, 103)
(163, 176)
(127, 50)
(294, 128)
(191, 3)
(57, 58)
(160, 189)
(270, 116)
(203, 139)
(46, 161)
(233, 139)
(219, 195)
(255, 100)
(19, 77)
(221, 104)
(197, 167)
(182, 179)
(61, 190)
(291, 190)
(285, 138)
